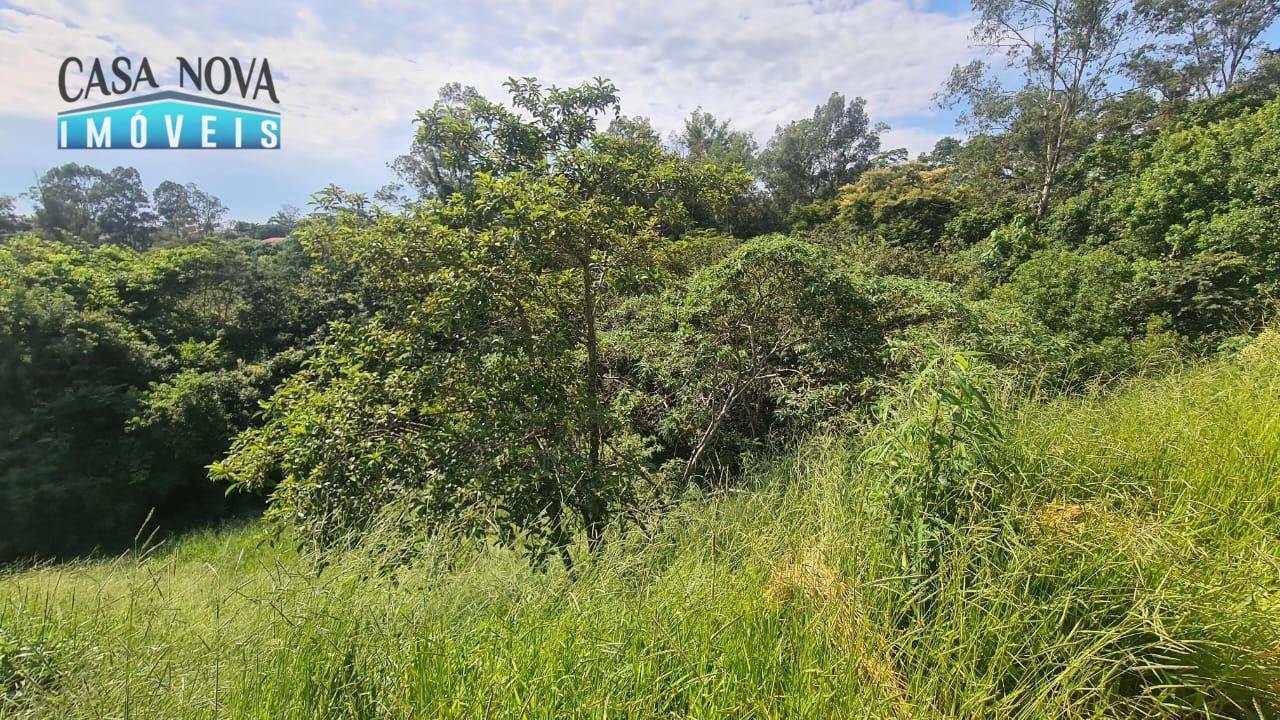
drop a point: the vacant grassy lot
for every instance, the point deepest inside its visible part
(1134, 571)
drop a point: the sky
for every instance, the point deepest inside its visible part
(351, 75)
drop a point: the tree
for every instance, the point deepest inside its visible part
(283, 221)
(63, 202)
(439, 161)
(476, 391)
(125, 374)
(1065, 53)
(173, 206)
(907, 205)
(808, 159)
(186, 209)
(463, 133)
(769, 340)
(1081, 295)
(636, 128)
(84, 203)
(1199, 207)
(943, 154)
(122, 209)
(10, 221)
(1206, 43)
(207, 209)
(706, 139)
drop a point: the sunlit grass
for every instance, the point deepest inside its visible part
(1136, 573)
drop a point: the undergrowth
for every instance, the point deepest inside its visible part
(1115, 555)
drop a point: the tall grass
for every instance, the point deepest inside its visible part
(1131, 568)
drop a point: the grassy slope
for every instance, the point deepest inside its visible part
(1139, 576)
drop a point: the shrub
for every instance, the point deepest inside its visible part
(125, 373)
(748, 352)
(1087, 295)
(948, 467)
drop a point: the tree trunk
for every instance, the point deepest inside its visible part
(1046, 189)
(590, 505)
(1046, 185)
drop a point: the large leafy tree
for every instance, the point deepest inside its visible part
(209, 210)
(1203, 203)
(476, 390)
(808, 159)
(440, 159)
(87, 204)
(464, 133)
(908, 204)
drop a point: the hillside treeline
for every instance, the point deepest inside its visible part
(559, 323)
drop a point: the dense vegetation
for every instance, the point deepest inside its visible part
(575, 420)
(126, 373)
(1122, 566)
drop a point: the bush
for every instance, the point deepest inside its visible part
(1113, 556)
(1199, 204)
(948, 468)
(125, 373)
(908, 205)
(1085, 295)
(746, 353)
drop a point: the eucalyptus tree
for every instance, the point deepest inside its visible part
(174, 208)
(122, 209)
(94, 206)
(1202, 46)
(186, 210)
(1065, 56)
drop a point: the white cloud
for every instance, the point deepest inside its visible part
(763, 62)
(915, 140)
(32, 47)
(351, 76)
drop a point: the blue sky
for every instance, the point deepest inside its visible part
(350, 75)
